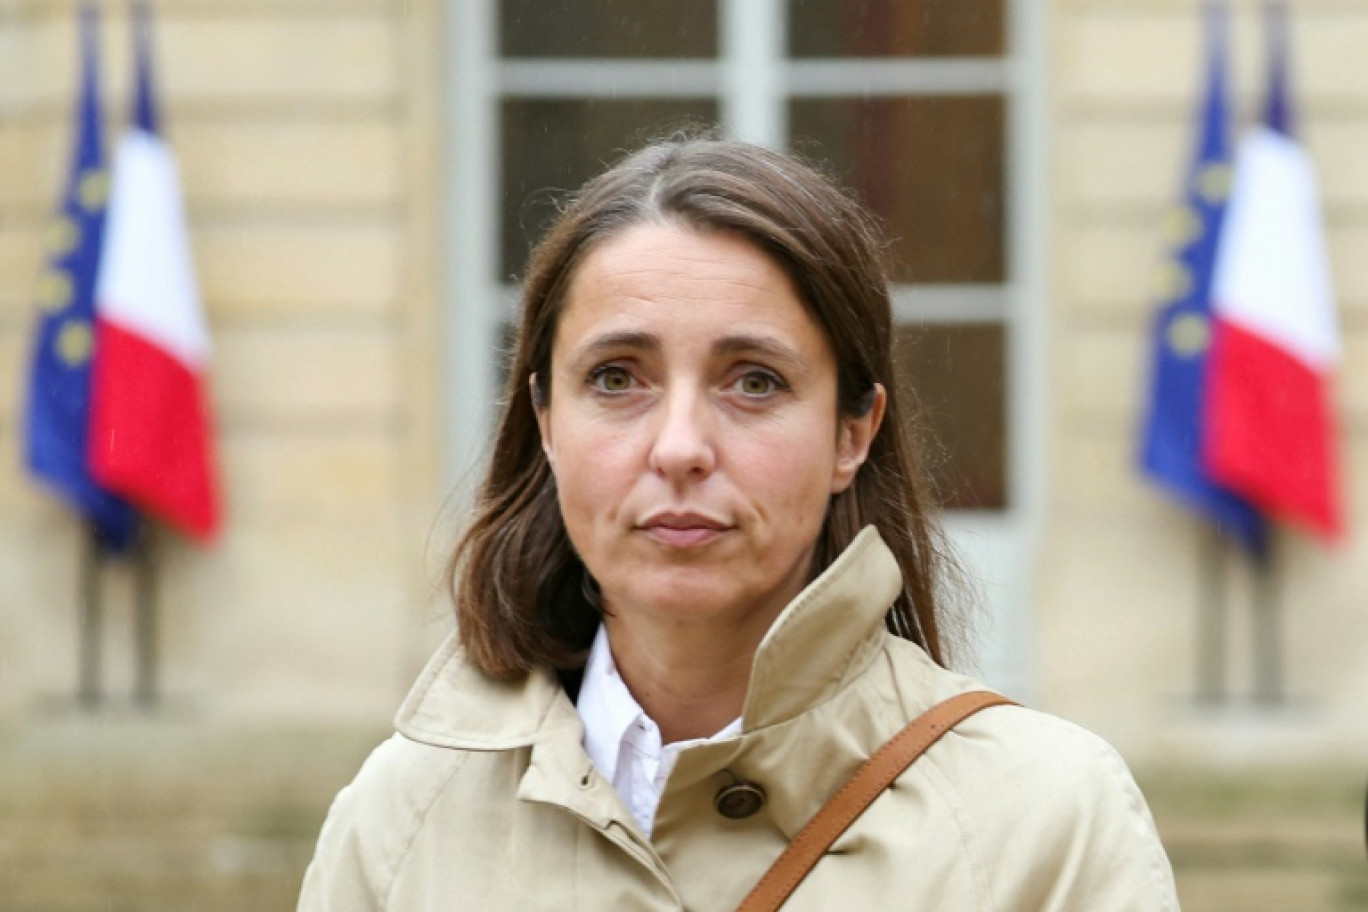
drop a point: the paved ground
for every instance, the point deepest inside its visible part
(1274, 840)
(122, 815)
(126, 815)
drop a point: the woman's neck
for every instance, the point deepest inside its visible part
(689, 686)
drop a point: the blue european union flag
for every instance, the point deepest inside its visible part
(64, 339)
(1172, 434)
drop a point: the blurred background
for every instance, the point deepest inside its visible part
(362, 181)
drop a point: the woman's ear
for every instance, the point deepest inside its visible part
(854, 436)
(543, 417)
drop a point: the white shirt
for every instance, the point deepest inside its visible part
(623, 741)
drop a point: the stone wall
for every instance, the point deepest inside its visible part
(309, 137)
(1121, 569)
(306, 134)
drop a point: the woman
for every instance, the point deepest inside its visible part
(700, 588)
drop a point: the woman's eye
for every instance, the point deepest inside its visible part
(611, 380)
(758, 383)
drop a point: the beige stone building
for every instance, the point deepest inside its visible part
(362, 179)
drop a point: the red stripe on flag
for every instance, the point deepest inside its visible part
(150, 435)
(1269, 429)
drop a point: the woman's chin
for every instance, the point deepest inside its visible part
(689, 595)
(673, 595)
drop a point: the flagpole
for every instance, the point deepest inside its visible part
(145, 620)
(89, 690)
(1267, 631)
(1211, 634)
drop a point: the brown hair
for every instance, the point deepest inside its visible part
(522, 595)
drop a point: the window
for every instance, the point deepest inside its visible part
(920, 106)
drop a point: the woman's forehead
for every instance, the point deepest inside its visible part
(657, 283)
(659, 258)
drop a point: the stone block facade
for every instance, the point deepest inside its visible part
(310, 140)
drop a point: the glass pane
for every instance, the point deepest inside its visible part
(608, 28)
(552, 146)
(931, 167)
(956, 374)
(896, 28)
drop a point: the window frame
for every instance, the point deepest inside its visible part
(754, 80)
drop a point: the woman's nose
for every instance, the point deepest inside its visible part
(684, 447)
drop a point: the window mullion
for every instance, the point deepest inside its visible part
(753, 98)
(949, 304)
(607, 78)
(899, 77)
(471, 207)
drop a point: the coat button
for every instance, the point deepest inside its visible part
(739, 800)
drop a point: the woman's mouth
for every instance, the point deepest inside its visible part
(683, 530)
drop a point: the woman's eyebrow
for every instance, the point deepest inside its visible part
(618, 341)
(764, 346)
(727, 346)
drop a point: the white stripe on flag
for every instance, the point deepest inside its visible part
(1272, 277)
(147, 278)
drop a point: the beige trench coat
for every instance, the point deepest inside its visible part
(485, 799)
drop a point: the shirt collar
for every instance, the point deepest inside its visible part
(606, 706)
(609, 711)
(622, 741)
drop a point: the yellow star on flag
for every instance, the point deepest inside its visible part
(75, 342)
(1173, 282)
(93, 190)
(1189, 334)
(1182, 227)
(54, 291)
(1213, 182)
(63, 236)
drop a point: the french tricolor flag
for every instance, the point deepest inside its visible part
(1270, 422)
(151, 435)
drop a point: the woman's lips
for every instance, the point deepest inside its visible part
(680, 530)
(683, 538)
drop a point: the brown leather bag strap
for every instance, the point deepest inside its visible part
(850, 801)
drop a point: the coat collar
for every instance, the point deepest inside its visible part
(825, 634)
(820, 640)
(454, 704)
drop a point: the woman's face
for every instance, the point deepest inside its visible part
(693, 427)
